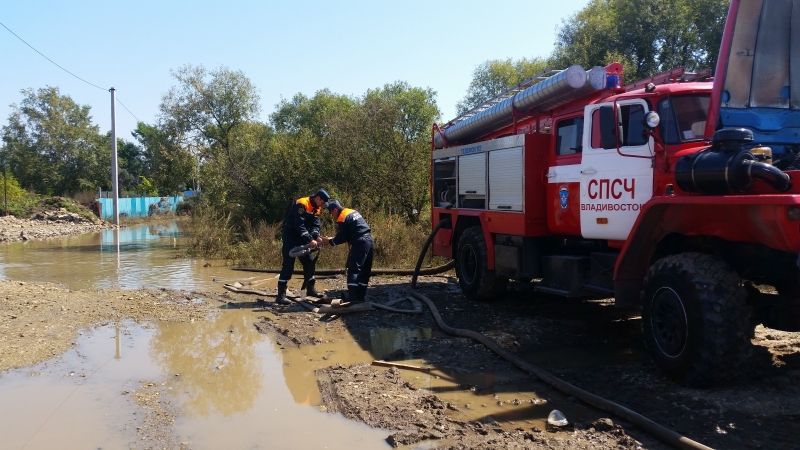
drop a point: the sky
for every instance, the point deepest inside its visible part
(284, 47)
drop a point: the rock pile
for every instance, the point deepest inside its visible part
(47, 224)
(62, 216)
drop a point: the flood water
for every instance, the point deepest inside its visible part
(232, 386)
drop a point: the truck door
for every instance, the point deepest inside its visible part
(616, 179)
(563, 177)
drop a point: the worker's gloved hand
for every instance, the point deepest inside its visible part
(320, 241)
(325, 240)
(312, 244)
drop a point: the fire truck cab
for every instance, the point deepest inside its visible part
(677, 194)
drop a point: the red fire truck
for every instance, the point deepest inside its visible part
(678, 195)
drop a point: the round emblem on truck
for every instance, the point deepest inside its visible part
(563, 196)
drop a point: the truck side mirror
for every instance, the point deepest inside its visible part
(608, 127)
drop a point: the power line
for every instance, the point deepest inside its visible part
(126, 109)
(45, 57)
(65, 70)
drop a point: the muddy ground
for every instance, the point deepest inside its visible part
(588, 343)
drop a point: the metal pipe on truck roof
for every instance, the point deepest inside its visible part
(565, 86)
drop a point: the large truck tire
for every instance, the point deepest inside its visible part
(476, 280)
(695, 318)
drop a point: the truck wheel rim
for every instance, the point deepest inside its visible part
(669, 323)
(469, 264)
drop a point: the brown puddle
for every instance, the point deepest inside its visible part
(227, 381)
(150, 256)
(511, 398)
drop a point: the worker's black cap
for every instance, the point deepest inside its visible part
(323, 194)
(334, 204)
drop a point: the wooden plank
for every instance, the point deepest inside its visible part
(378, 362)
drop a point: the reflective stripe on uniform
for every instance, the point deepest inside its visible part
(342, 215)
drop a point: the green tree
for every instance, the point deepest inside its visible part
(203, 114)
(647, 37)
(145, 188)
(496, 76)
(131, 162)
(377, 153)
(302, 113)
(241, 182)
(169, 166)
(52, 146)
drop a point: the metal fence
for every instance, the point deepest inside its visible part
(139, 206)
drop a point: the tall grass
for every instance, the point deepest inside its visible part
(214, 235)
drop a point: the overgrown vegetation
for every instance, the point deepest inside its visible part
(214, 235)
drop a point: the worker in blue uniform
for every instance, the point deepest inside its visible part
(300, 227)
(353, 229)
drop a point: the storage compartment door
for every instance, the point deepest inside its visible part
(472, 175)
(505, 179)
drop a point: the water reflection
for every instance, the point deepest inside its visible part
(220, 408)
(143, 256)
(383, 341)
(118, 355)
(299, 364)
(215, 363)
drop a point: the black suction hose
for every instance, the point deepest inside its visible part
(769, 174)
(427, 271)
(659, 431)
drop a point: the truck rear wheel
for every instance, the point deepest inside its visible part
(695, 318)
(476, 280)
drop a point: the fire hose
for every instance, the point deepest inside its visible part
(659, 431)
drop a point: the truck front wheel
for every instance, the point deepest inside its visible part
(695, 318)
(476, 280)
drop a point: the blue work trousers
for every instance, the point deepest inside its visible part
(359, 264)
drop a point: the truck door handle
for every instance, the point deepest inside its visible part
(589, 171)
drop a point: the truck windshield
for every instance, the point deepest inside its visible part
(683, 118)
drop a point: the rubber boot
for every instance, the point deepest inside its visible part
(311, 292)
(362, 292)
(355, 296)
(281, 298)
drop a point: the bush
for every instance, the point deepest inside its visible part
(397, 243)
(10, 189)
(145, 188)
(24, 206)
